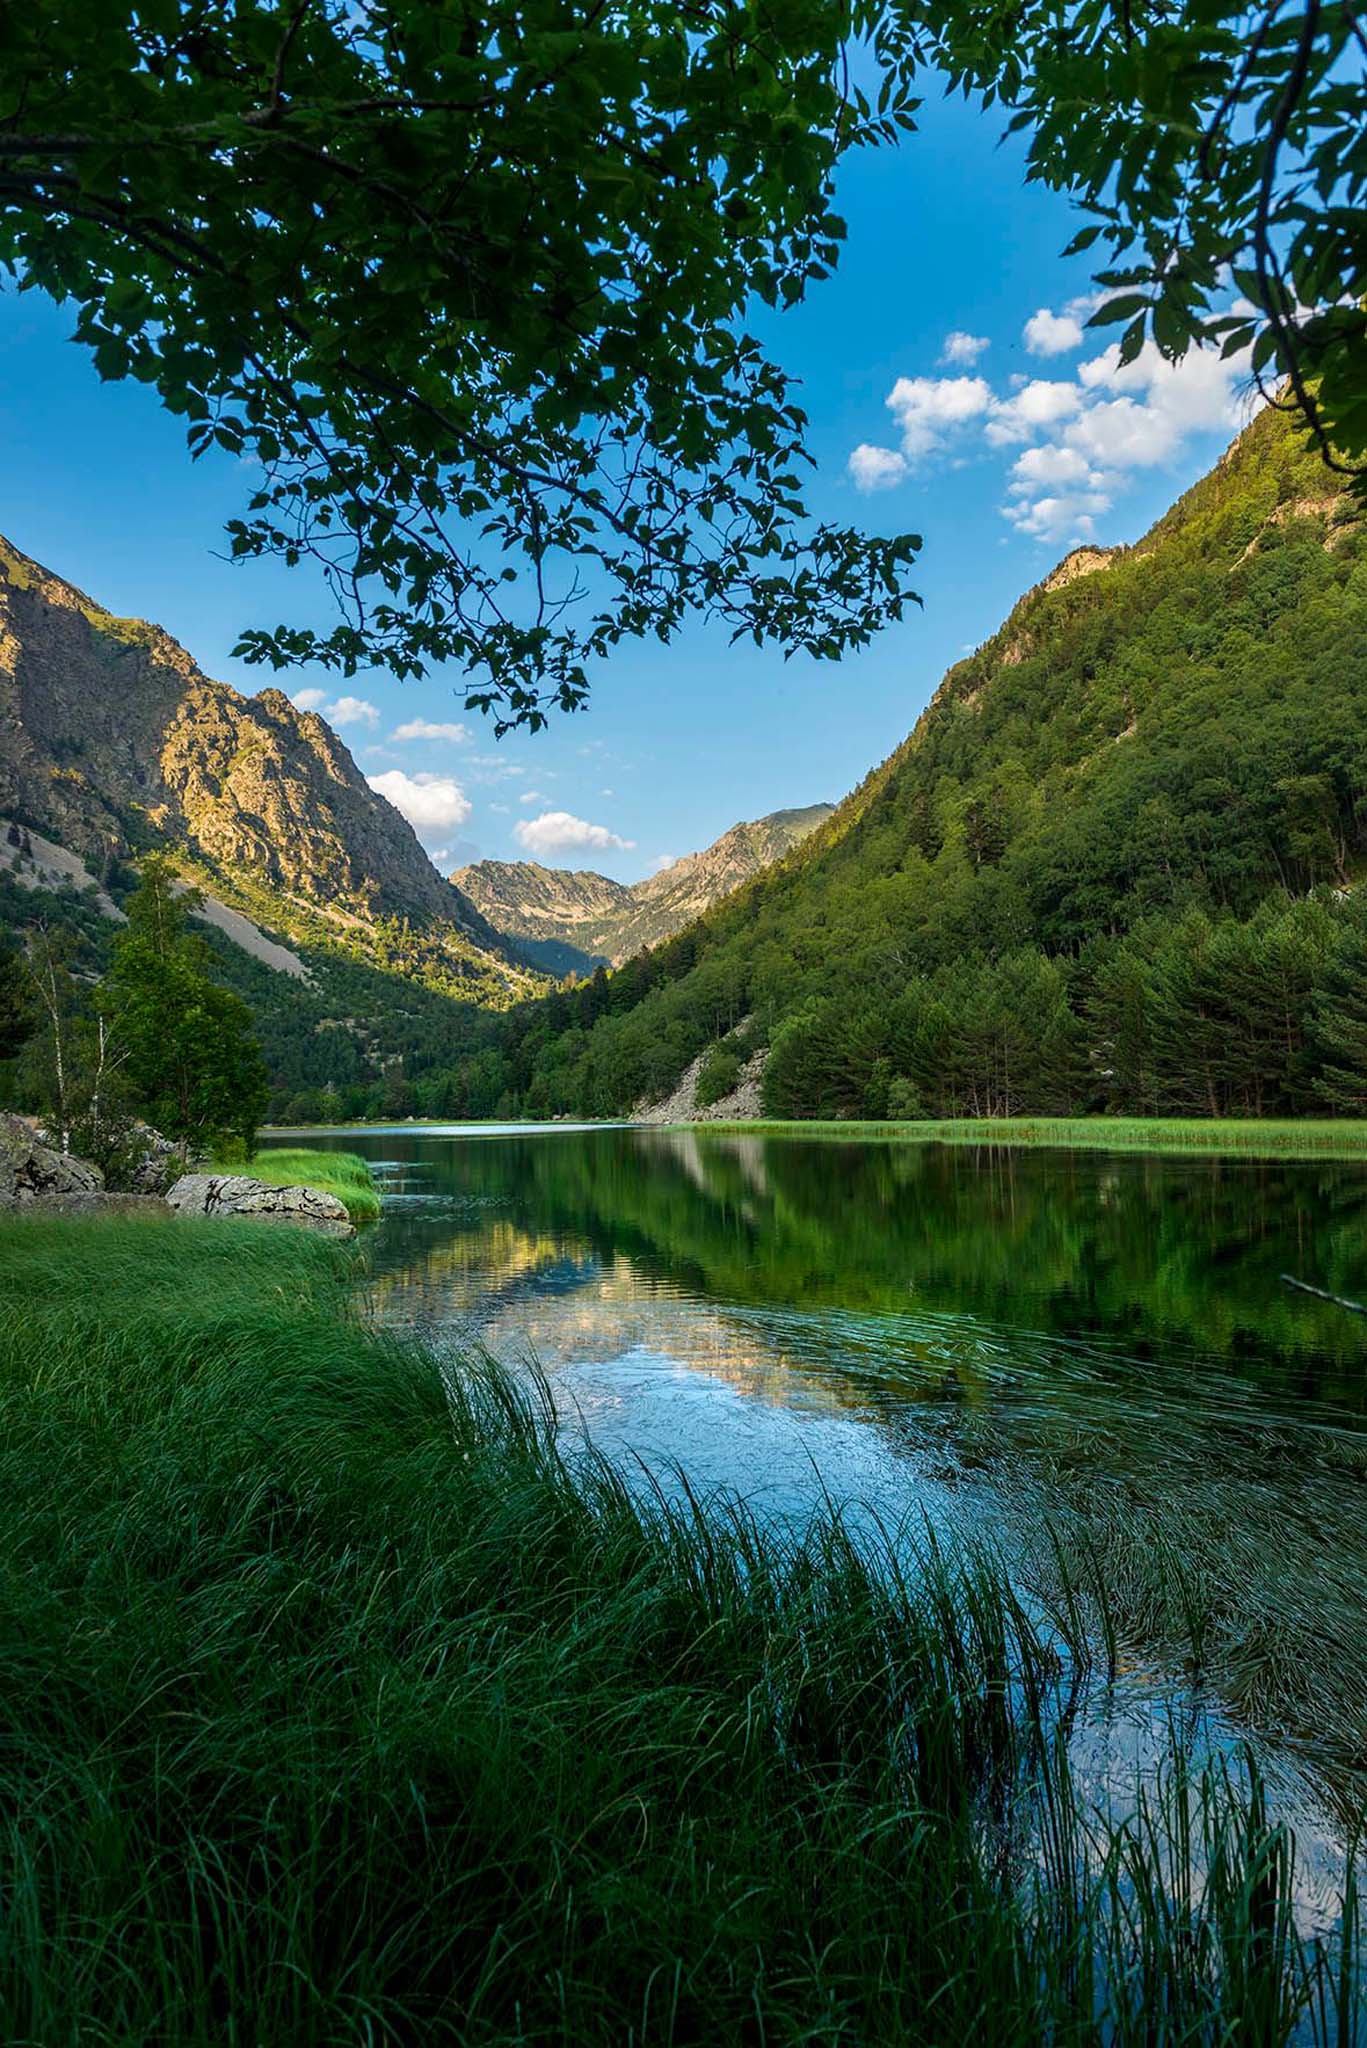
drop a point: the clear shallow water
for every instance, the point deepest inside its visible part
(994, 1341)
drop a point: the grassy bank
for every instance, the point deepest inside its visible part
(338, 1709)
(344, 1174)
(1271, 1137)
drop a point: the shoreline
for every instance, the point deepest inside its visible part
(1248, 1138)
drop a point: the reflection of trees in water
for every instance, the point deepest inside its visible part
(1083, 1337)
(1154, 1253)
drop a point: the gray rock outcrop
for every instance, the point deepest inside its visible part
(30, 1170)
(156, 1169)
(237, 1194)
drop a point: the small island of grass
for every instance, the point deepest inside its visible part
(344, 1174)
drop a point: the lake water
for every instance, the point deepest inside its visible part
(1000, 1343)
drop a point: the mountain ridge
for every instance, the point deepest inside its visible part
(113, 741)
(572, 919)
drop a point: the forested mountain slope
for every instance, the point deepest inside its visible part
(1107, 866)
(570, 921)
(112, 741)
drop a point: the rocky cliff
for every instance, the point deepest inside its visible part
(113, 740)
(568, 920)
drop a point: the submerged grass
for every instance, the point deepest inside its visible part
(337, 1708)
(1267, 1137)
(344, 1174)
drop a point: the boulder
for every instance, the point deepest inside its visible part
(156, 1168)
(237, 1194)
(29, 1169)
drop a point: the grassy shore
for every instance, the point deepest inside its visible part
(337, 1708)
(1269, 1137)
(344, 1174)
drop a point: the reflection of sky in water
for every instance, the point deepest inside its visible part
(919, 1402)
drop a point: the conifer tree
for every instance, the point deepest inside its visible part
(193, 1063)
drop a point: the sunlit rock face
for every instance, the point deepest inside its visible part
(114, 741)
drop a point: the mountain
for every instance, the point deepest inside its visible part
(1114, 864)
(113, 741)
(569, 921)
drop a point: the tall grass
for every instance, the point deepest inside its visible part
(1269, 1137)
(344, 1174)
(336, 1708)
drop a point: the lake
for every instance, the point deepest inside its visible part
(1044, 1350)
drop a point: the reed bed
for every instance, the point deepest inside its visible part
(1255, 1137)
(337, 1708)
(344, 1174)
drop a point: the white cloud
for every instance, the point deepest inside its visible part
(1049, 465)
(1035, 405)
(554, 831)
(1077, 440)
(352, 711)
(876, 469)
(926, 407)
(962, 350)
(1052, 334)
(431, 803)
(1059, 516)
(663, 861)
(424, 729)
(341, 711)
(1124, 434)
(532, 796)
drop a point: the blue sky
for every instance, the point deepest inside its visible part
(1002, 447)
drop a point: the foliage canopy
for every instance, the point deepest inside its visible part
(467, 283)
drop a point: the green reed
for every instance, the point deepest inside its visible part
(1261, 1137)
(337, 1708)
(344, 1174)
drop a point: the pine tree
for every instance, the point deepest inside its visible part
(193, 1062)
(1338, 1023)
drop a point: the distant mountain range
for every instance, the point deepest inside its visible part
(569, 921)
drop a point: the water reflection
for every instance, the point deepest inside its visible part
(997, 1341)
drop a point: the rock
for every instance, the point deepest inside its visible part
(30, 1170)
(744, 1104)
(156, 1168)
(237, 1194)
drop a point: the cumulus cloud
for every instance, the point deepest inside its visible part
(1035, 404)
(425, 729)
(663, 861)
(962, 350)
(1078, 440)
(555, 831)
(1049, 466)
(1053, 334)
(1058, 516)
(926, 408)
(876, 469)
(352, 711)
(341, 711)
(432, 804)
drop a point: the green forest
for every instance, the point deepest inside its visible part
(1112, 868)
